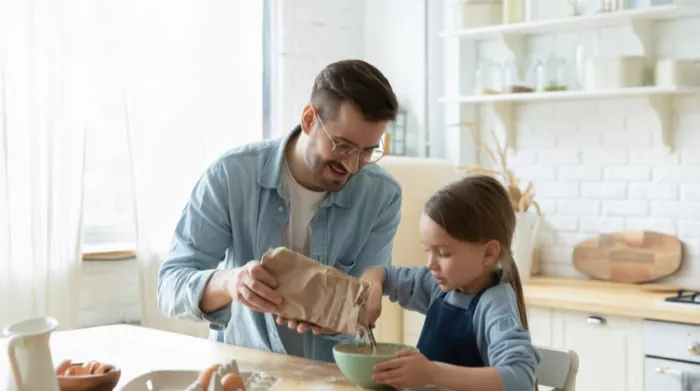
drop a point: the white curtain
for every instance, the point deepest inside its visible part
(43, 117)
(193, 90)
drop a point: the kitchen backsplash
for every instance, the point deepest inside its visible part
(597, 167)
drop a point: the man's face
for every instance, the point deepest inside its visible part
(338, 148)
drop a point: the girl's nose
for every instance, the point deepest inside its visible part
(432, 264)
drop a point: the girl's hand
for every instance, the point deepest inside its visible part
(409, 369)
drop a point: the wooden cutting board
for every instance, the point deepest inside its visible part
(629, 257)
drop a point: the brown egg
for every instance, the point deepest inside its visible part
(103, 368)
(205, 376)
(232, 382)
(63, 367)
(91, 366)
(76, 370)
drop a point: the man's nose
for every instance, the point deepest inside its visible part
(352, 163)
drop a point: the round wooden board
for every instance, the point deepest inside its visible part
(629, 257)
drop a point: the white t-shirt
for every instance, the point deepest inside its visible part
(297, 236)
(303, 204)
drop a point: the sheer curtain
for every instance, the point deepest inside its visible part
(193, 90)
(43, 115)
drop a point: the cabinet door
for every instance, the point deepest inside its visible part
(610, 350)
(540, 322)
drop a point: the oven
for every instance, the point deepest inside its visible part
(669, 349)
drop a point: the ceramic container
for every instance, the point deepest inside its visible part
(356, 361)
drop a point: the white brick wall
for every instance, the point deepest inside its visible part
(597, 165)
(311, 34)
(609, 176)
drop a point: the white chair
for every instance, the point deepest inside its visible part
(558, 369)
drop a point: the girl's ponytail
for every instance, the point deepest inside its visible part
(511, 276)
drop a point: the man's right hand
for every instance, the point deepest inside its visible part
(253, 287)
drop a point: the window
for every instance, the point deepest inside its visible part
(108, 209)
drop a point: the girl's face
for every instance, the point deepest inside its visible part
(454, 263)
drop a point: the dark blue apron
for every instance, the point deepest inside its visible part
(448, 333)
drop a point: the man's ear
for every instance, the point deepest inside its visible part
(492, 253)
(307, 118)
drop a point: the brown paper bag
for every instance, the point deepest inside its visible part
(317, 293)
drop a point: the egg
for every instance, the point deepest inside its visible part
(76, 370)
(91, 366)
(205, 376)
(103, 368)
(63, 367)
(232, 382)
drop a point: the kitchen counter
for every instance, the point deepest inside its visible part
(605, 298)
(138, 350)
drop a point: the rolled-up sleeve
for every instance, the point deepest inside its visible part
(412, 287)
(502, 339)
(201, 238)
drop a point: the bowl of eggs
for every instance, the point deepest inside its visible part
(88, 376)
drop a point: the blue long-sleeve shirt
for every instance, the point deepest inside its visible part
(501, 340)
(238, 210)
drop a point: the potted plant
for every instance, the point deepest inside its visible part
(527, 225)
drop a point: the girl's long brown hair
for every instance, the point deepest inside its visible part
(477, 209)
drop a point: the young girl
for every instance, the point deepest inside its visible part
(475, 333)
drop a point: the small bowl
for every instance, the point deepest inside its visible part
(356, 361)
(94, 382)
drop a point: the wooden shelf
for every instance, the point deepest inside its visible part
(575, 23)
(658, 99)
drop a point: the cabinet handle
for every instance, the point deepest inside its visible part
(667, 371)
(595, 320)
(694, 348)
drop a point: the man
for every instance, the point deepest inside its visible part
(316, 191)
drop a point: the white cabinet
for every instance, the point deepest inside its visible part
(540, 324)
(610, 349)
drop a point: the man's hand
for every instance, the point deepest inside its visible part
(303, 327)
(253, 287)
(409, 369)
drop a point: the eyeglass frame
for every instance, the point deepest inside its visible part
(353, 150)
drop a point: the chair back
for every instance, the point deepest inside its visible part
(558, 369)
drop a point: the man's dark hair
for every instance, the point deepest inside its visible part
(357, 82)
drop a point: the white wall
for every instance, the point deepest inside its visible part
(597, 166)
(395, 43)
(309, 35)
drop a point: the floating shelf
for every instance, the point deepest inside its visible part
(658, 98)
(572, 95)
(600, 20)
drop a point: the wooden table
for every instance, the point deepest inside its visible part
(137, 350)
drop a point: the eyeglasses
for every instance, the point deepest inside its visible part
(342, 150)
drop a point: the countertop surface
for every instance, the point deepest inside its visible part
(605, 298)
(138, 350)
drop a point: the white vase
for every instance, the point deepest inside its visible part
(527, 228)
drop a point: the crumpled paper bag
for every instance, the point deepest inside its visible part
(315, 293)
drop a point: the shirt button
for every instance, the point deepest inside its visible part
(281, 209)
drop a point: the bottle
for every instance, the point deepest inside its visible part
(513, 11)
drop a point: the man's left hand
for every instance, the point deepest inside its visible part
(303, 327)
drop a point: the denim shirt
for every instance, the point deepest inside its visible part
(237, 212)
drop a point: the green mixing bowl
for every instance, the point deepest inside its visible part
(356, 361)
